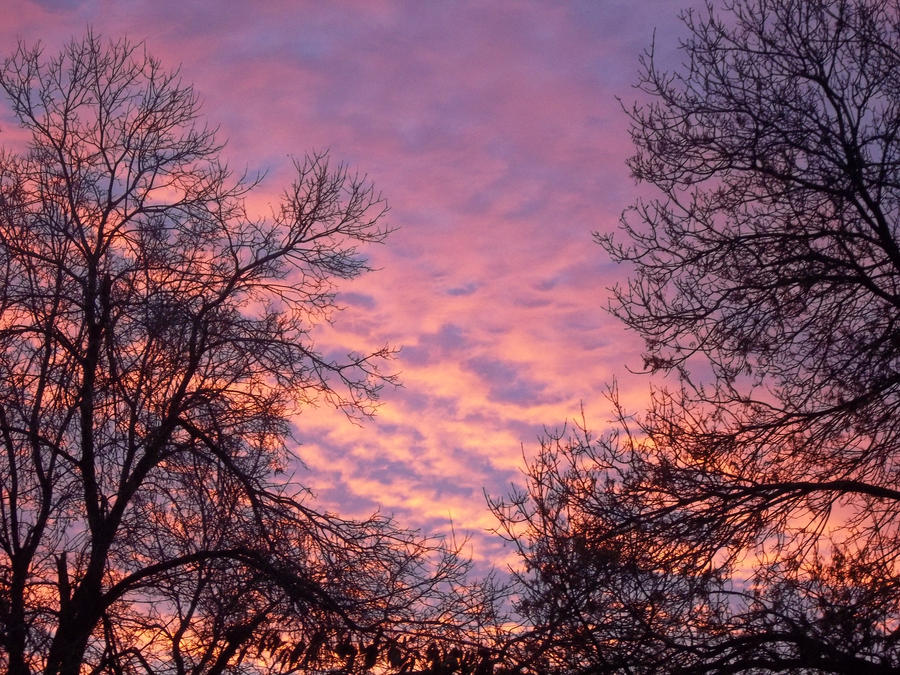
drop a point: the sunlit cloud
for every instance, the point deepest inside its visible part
(494, 132)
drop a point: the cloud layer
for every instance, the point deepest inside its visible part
(493, 130)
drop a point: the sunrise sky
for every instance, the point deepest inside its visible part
(493, 130)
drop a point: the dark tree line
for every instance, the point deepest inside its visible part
(154, 341)
(749, 520)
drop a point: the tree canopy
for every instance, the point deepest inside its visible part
(748, 520)
(154, 342)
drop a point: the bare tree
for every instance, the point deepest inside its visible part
(618, 575)
(154, 342)
(756, 504)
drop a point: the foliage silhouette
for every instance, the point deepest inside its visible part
(748, 521)
(154, 342)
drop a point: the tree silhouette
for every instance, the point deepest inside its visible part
(154, 342)
(748, 521)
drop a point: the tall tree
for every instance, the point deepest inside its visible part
(154, 343)
(749, 520)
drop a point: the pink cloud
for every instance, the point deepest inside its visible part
(494, 132)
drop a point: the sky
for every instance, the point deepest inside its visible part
(495, 131)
